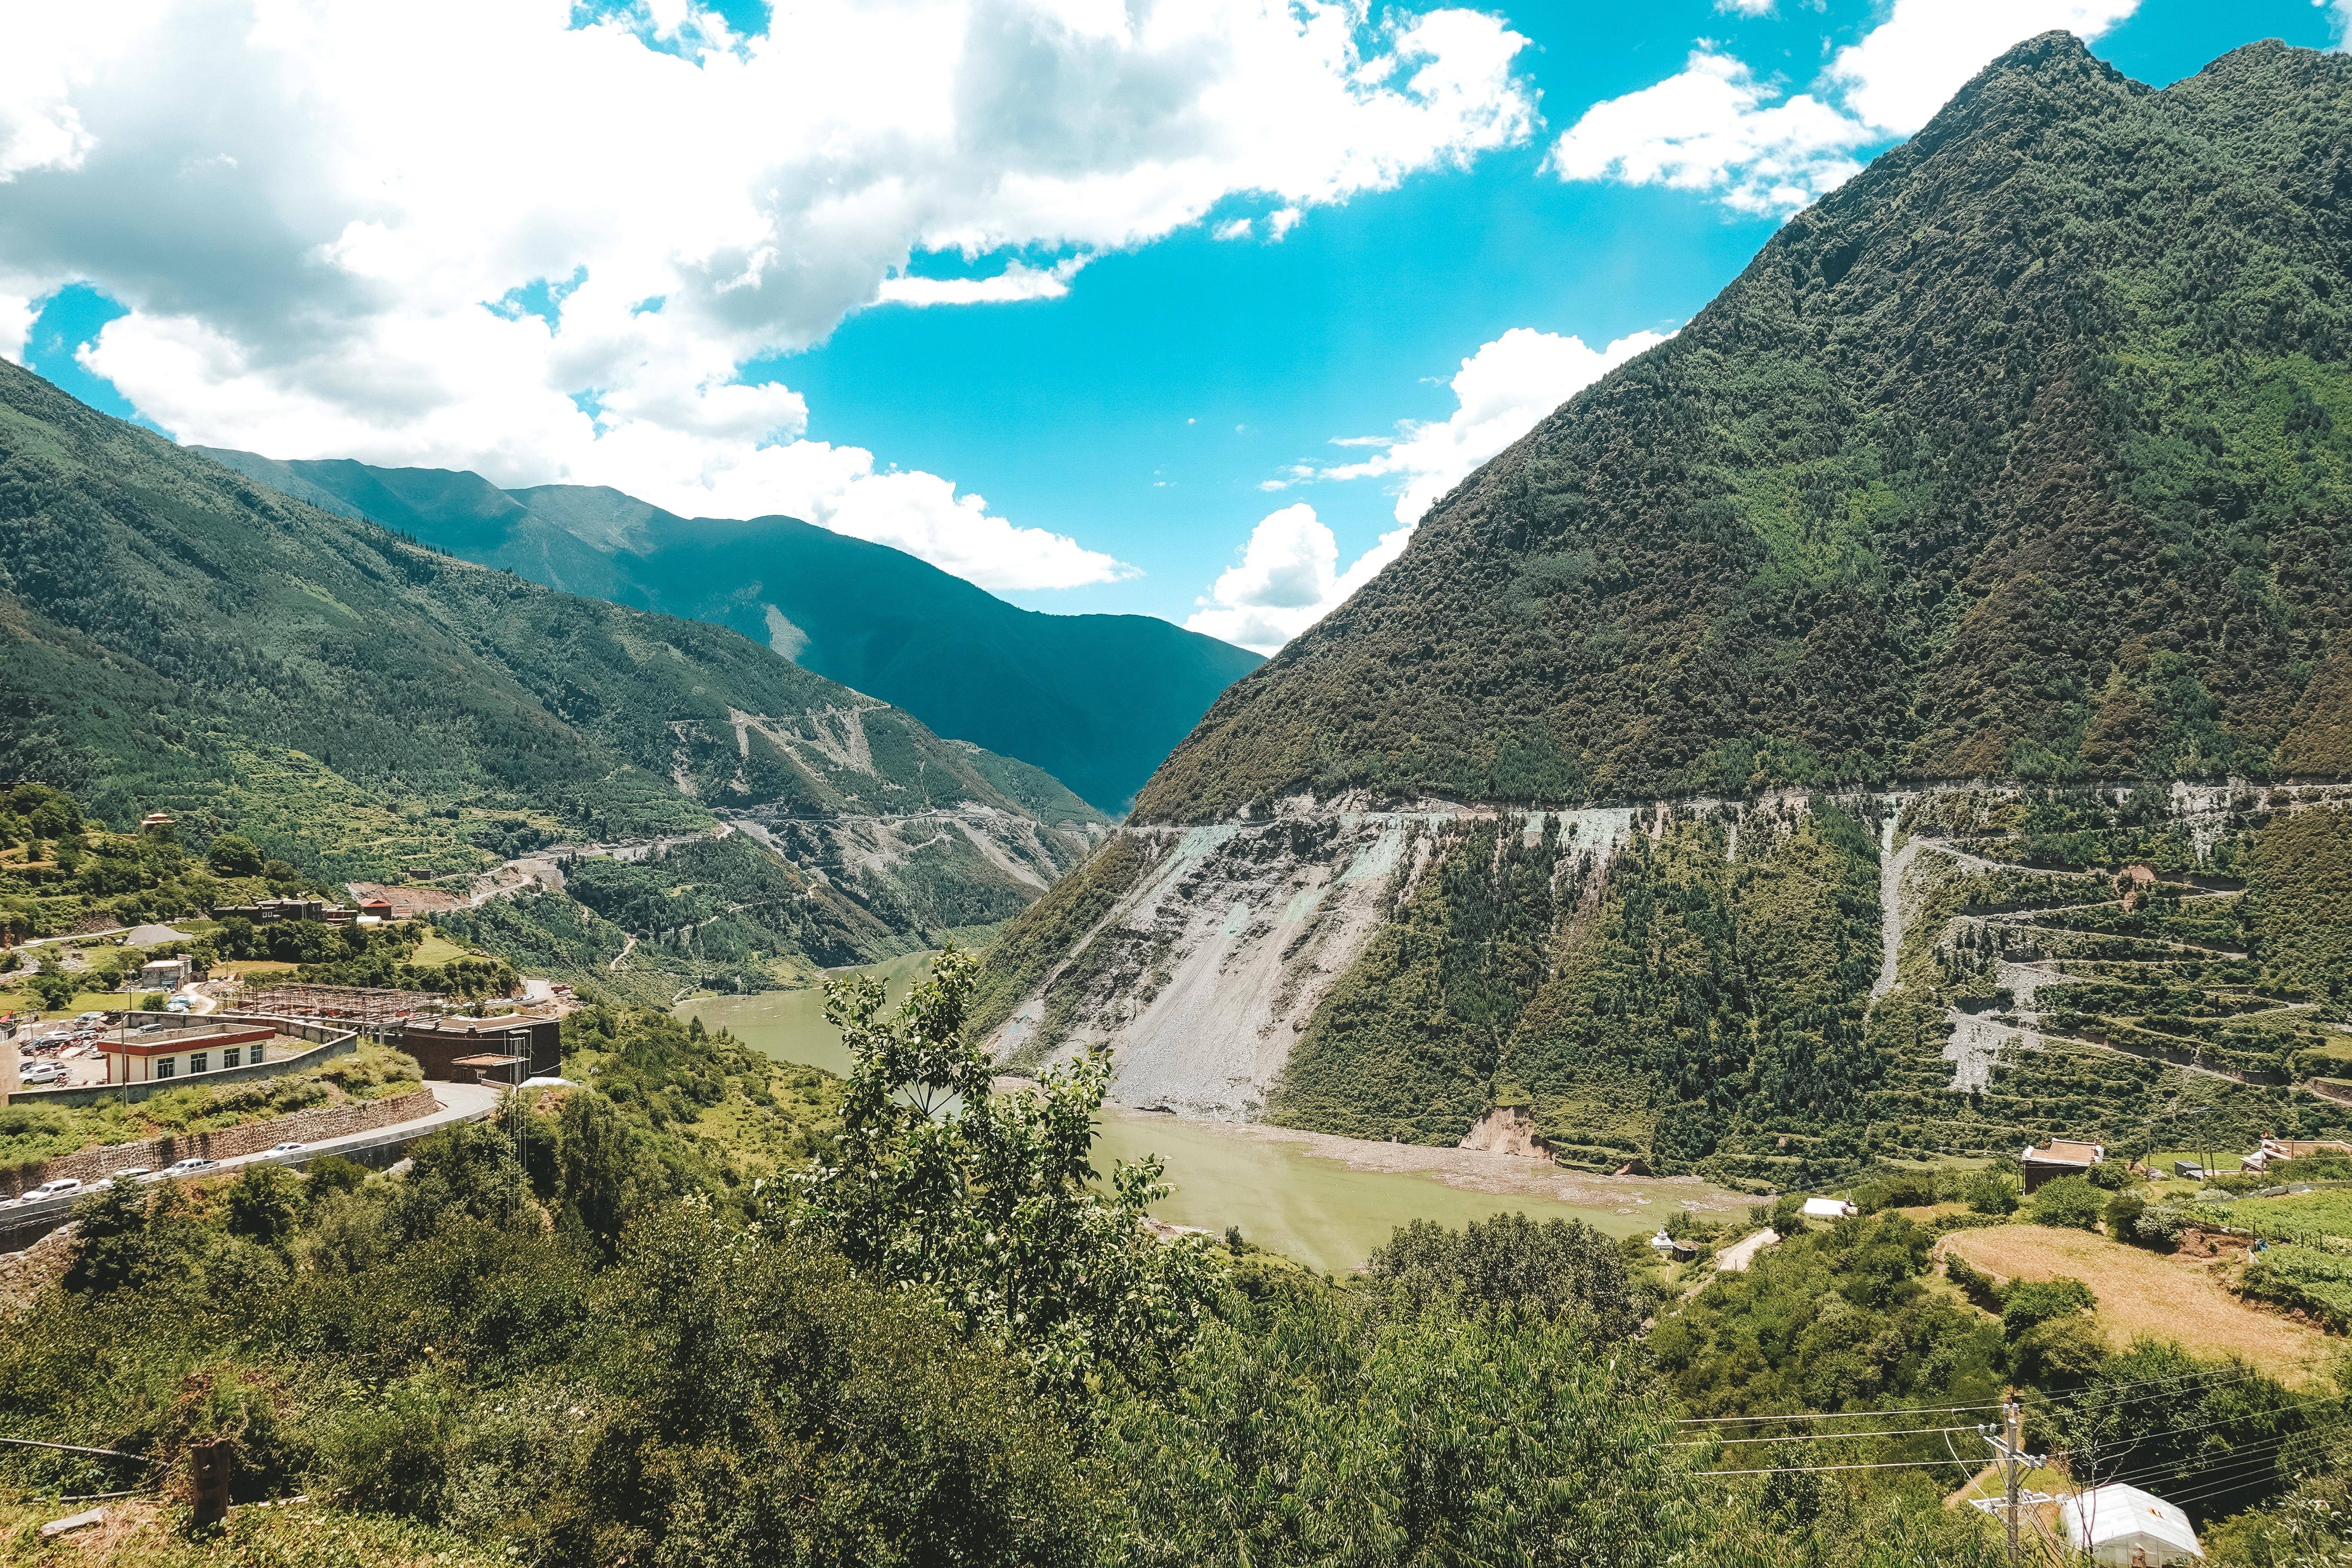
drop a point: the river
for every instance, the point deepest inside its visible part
(1326, 1201)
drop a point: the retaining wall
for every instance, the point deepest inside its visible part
(226, 1143)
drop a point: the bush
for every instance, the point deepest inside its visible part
(1989, 1192)
(2160, 1225)
(2029, 1303)
(2112, 1176)
(2123, 1212)
(2070, 1203)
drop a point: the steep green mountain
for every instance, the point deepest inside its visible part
(172, 634)
(2027, 452)
(1908, 714)
(1096, 700)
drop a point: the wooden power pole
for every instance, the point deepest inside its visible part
(2012, 1456)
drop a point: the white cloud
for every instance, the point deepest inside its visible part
(1745, 7)
(1906, 68)
(1499, 393)
(1232, 228)
(1289, 577)
(309, 208)
(2341, 12)
(1715, 127)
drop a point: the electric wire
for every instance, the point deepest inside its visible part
(1824, 1436)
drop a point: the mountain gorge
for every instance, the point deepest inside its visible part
(1906, 711)
(1096, 700)
(365, 707)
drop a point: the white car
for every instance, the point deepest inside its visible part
(46, 1072)
(131, 1173)
(191, 1166)
(91, 1018)
(55, 1189)
(286, 1151)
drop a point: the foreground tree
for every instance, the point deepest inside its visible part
(989, 1204)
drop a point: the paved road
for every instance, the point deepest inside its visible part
(459, 1102)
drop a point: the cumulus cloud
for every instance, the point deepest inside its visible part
(320, 217)
(1289, 576)
(1716, 127)
(1288, 579)
(1499, 393)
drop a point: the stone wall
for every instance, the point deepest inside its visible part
(226, 1143)
(22, 1274)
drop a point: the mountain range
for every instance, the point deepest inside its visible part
(1907, 711)
(1096, 700)
(174, 635)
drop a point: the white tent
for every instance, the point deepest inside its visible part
(1828, 1208)
(2112, 1522)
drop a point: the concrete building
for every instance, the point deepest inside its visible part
(486, 1050)
(166, 973)
(154, 1052)
(269, 911)
(2059, 1157)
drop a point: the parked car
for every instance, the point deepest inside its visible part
(191, 1166)
(287, 1151)
(55, 1189)
(89, 1018)
(40, 1073)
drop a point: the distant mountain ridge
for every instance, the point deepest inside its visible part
(1096, 700)
(174, 635)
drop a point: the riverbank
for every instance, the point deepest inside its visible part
(1325, 1201)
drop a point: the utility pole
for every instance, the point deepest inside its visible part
(2015, 1434)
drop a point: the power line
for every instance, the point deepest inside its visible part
(1824, 1436)
(1802, 1470)
(1838, 1415)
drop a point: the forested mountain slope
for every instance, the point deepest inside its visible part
(1909, 712)
(1096, 700)
(172, 634)
(2024, 453)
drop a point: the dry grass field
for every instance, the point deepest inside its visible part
(2142, 1292)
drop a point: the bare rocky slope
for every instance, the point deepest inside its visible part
(1905, 712)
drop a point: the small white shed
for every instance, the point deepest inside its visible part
(1828, 1208)
(2111, 1524)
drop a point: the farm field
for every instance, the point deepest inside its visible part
(2326, 1212)
(2144, 1293)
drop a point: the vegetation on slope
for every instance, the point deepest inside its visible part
(1703, 998)
(1096, 701)
(2027, 452)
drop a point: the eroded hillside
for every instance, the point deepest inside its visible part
(1758, 990)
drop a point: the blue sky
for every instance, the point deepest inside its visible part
(1138, 410)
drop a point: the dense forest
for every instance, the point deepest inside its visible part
(2027, 452)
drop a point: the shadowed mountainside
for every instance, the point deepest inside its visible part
(1096, 700)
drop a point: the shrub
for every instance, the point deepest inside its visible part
(2123, 1212)
(2113, 1176)
(1991, 1192)
(2070, 1203)
(2028, 1303)
(2160, 1225)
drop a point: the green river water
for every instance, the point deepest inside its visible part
(1318, 1210)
